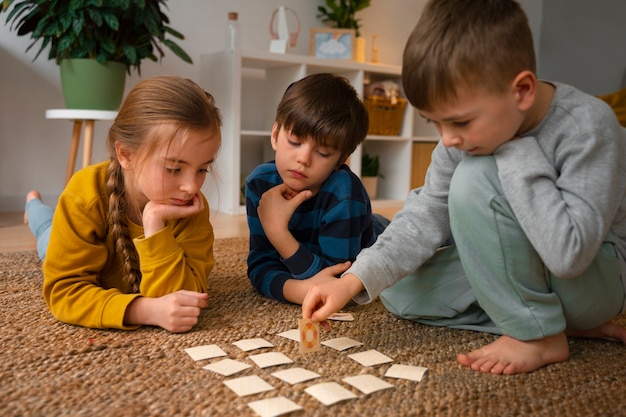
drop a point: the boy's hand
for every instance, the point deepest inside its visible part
(276, 207)
(278, 204)
(295, 290)
(329, 297)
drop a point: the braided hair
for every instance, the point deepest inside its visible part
(153, 102)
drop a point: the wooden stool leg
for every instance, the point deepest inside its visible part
(88, 145)
(71, 161)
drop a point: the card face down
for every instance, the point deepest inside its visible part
(309, 336)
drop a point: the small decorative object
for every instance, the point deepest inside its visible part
(359, 49)
(370, 174)
(232, 32)
(121, 33)
(332, 43)
(284, 29)
(374, 57)
(385, 107)
(341, 14)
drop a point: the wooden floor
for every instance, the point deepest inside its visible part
(16, 236)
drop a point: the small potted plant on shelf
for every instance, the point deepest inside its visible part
(341, 14)
(370, 174)
(101, 37)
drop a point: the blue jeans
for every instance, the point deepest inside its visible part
(40, 224)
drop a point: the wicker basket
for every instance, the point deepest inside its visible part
(385, 118)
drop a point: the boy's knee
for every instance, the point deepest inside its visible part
(471, 177)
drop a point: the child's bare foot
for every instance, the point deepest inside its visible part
(512, 356)
(607, 331)
(29, 196)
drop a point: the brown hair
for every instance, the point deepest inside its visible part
(155, 112)
(327, 109)
(477, 43)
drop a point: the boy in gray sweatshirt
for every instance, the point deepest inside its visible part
(529, 179)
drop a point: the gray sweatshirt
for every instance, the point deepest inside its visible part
(565, 181)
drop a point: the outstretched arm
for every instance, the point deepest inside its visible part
(329, 297)
(295, 290)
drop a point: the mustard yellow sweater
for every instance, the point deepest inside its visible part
(83, 280)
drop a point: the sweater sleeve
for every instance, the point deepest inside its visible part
(77, 254)
(82, 280)
(179, 256)
(266, 272)
(414, 234)
(562, 201)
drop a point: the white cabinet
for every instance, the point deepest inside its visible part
(248, 86)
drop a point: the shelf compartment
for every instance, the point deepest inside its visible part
(248, 86)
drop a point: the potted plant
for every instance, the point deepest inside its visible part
(112, 36)
(369, 174)
(341, 14)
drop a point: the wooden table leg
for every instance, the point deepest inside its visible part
(71, 161)
(88, 145)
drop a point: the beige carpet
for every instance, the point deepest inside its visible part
(48, 368)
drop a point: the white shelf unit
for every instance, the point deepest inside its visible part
(248, 86)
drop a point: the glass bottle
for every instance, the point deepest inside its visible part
(232, 32)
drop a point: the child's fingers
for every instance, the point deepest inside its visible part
(315, 306)
(301, 197)
(310, 303)
(195, 294)
(322, 313)
(337, 269)
(193, 298)
(197, 201)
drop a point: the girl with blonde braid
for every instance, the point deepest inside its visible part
(130, 242)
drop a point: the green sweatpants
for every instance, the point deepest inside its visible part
(493, 280)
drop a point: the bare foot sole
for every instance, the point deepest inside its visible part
(512, 356)
(29, 196)
(607, 331)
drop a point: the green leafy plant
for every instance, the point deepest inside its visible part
(125, 31)
(370, 166)
(341, 14)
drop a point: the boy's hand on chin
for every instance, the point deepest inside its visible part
(288, 193)
(278, 204)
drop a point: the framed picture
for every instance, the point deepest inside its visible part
(332, 43)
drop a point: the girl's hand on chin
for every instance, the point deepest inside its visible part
(156, 214)
(175, 211)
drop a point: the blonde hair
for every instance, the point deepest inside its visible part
(175, 103)
(468, 43)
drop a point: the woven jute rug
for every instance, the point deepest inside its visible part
(48, 368)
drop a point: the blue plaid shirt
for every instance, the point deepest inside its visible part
(332, 227)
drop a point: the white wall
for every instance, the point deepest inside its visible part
(583, 44)
(33, 150)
